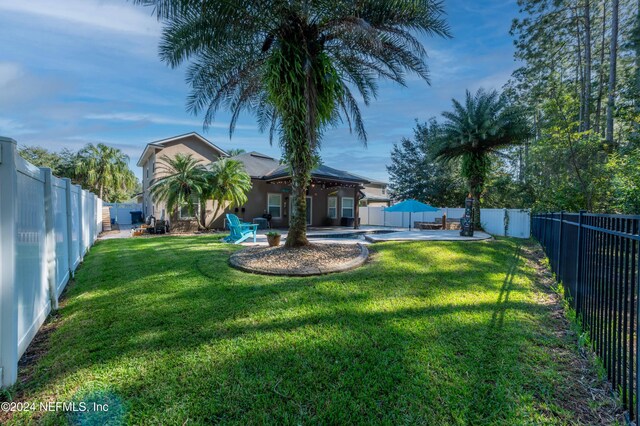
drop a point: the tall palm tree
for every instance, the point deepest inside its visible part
(294, 64)
(474, 132)
(227, 184)
(104, 170)
(183, 183)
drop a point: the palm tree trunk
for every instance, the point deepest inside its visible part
(297, 235)
(302, 146)
(203, 215)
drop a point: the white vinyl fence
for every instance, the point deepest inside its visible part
(121, 212)
(501, 222)
(47, 225)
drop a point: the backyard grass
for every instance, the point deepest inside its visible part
(165, 332)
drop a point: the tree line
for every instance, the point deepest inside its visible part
(578, 88)
(99, 168)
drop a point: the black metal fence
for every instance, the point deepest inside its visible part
(595, 256)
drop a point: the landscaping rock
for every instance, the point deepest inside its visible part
(314, 259)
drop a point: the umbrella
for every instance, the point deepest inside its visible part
(411, 206)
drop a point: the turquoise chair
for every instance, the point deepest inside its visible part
(240, 231)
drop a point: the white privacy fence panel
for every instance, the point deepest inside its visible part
(121, 212)
(30, 264)
(46, 227)
(500, 222)
(61, 232)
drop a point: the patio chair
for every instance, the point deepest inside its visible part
(158, 227)
(240, 231)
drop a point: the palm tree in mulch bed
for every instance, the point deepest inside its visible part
(294, 64)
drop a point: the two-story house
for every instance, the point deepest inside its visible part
(332, 199)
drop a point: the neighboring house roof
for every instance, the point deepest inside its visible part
(373, 181)
(162, 143)
(374, 197)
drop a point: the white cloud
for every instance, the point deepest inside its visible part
(12, 128)
(494, 81)
(159, 119)
(20, 88)
(8, 73)
(146, 118)
(116, 17)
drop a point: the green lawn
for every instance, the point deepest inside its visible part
(165, 332)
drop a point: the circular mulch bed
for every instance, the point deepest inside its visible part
(314, 259)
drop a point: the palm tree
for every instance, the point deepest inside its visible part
(183, 184)
(227, 184)
(104, 170)
(474, 132)
(294, 64)
(235, 151)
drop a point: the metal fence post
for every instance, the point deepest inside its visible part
(579, 263)
(559, 273)
(50, 236)
(637, 231)
(8, 294)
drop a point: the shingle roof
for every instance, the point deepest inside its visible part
(322, 171)
(256, 164)
(375, 197)
(260, 166)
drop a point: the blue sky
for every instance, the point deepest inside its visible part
(79, 71)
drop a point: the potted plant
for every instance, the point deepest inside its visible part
(273, 238)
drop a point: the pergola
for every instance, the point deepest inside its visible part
(326, 182)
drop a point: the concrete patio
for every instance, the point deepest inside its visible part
(426, 235)
(373, 234)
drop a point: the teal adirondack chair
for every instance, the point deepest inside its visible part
(240, 231)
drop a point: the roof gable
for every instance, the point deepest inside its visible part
(164, 142)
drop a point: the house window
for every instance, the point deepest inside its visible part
(333, 207)
(184, 211)
(274, 205)
(384, 190)
(347, 206)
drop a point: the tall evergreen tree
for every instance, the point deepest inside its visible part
(414, 173)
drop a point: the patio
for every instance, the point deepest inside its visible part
(372, 234)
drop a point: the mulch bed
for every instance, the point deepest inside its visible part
(314, 259)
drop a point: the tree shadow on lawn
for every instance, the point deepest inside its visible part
(388, 342)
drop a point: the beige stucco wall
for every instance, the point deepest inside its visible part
(376, 189)
(256, 205)
(187, 145)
